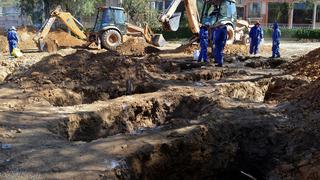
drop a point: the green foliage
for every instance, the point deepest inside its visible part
(182, 33)
(308, 33)
(140, 12)
(296, 33)
(38, 8)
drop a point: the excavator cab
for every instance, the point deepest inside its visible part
(221, 12)
(110, 17)
(110, 26)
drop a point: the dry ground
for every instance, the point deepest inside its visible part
(84, 114)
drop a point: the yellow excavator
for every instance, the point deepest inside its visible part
(213, 11)
(109, 29)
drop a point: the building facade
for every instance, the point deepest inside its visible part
(10, 14)
(287, 12)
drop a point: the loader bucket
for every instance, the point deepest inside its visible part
(173, 23)
(158, 40)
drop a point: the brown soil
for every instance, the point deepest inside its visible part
(136, 46)
(234, 49)
(156, 118)
(307, 65)
(55, 40)
(63, 39)
(26, 35)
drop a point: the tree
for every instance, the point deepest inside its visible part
(140, 12)
(77, 7)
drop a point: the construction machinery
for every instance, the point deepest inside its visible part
(213, 11)
(109, 30)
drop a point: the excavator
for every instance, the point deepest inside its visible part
(109, 30)
(213, 11)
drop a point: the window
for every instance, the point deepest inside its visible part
(254, 10)
(119, 16)
(231, 10)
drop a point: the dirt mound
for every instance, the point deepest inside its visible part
(63, 39)
(284, 88)
(57, 38)
(4, 44)
(233, 49)
(133, 47)
(25, 34)
(308, 96)
(84, 77)
(236, 49)
(307, 65)
(187, 49)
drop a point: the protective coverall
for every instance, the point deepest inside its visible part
(213, 35)
(12, 39)
(220, 42)
(256, 34)
(204, 42)
(276, 41)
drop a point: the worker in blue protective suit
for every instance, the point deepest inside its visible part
(256, 35)
(220, 42)
(204, 42)
(12, 39)
(213, 35)
(276, 35)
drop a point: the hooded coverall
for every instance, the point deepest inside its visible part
(276, 40)
(12, 39)
(220, 42)
(204, 42)
(213, 35)
(256, 34)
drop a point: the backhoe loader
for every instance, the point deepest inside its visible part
(109, 29)
(213, 11)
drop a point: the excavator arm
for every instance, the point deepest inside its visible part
(66, 18)
(171, 20)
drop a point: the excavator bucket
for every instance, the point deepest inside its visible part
(158, 40)
(173, 23)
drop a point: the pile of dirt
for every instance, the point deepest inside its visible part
(237, 49)
(307, 65)
(133, 47)
(84, 77)
(285, 88)
(187, 48)
(25, 34)
(57, 38)
(4, 44)
(64, 39)
(232, 49)
(308, 97)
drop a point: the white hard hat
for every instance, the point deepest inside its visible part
(13, 28)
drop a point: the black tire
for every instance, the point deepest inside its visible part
(231, 35)
(111, 39)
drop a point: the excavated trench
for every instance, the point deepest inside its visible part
(229, 134)
(134, 117)
(226, 131)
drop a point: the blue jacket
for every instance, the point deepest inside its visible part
(276, 32)
(256, 33)
(12, 36)
(221, 36)
(204, 35)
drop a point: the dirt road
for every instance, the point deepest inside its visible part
(81, 114)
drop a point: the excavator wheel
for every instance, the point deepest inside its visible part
(231, 34)
(111, 39)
